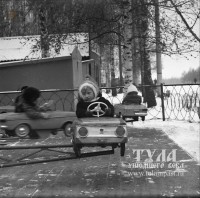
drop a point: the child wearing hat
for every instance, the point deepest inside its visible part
(29, 105)
(88, 94)
(132, 96)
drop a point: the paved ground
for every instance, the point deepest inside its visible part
(104, 175)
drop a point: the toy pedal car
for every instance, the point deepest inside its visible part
(20, 125)
(133, 111)
(99, 131)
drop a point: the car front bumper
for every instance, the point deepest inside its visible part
(140, 114)
(89, 141)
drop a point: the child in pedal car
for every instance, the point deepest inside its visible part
(88, 94)
(132, 96)
(30, 104)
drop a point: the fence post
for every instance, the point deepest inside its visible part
(162, 102)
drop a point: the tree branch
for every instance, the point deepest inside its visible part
(184, 21)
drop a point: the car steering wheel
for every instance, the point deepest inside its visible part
(97, 109)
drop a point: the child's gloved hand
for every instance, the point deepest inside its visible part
(88, 113)
(48, 106)
(108, 111)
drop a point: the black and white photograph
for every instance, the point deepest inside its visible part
(99, 98)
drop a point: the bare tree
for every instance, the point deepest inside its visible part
(194, 14)
(106, 21)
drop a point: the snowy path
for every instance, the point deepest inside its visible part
(185, 134)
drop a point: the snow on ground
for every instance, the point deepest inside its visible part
(183, 133)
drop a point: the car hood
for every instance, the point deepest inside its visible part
(102, 121)
(130, 106)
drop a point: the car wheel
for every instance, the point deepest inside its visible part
(122, 149)
(67, 129)
(77, 150)
(143, 118)
(22, 130)
(135, 118)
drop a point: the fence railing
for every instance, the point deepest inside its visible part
(182, 102)
(176, 102)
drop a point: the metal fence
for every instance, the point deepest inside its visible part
(182, 102)
(175, 102)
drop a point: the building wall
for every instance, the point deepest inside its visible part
(44, 74)
(49, 73)
(89, 67)
(97, 67)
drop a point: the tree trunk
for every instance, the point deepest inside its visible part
(158, 48)
(112, 64)
(127, 51)
(135, 45)
(108, 83)
(149, 95)
(43, 32)
(2, 26)
(120, 62)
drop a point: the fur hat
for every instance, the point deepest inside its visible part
(132, 88)
(22, 88)
(89, 82)
(31, 94)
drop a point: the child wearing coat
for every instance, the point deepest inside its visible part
(88, 94)
(29, 104)
(132, 96)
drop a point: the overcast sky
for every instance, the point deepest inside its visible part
(175, 66)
